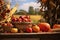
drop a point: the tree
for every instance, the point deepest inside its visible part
(31, 10)
(53, 10)
(21, 12)
(37, 11)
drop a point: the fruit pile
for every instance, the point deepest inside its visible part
(24, 18)
(34, 28)
(6, 27)
(28, 27)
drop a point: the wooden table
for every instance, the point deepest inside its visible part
(30, 36)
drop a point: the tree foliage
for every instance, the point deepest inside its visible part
(53, 10)
(21, 12)
(31, 10)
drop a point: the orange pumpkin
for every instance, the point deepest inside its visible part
(56, 26)
(45, 27)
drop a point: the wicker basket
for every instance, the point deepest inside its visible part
(7, 29)
(22, 25)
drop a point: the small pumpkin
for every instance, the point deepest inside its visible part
(56, 26)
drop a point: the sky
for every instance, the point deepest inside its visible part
(24, 4)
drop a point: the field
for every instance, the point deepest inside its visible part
(34, 18)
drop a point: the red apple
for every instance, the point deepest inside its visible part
(25, 20)
(45, 27)
(14, 19)
(19, 20)
(36, 28)
(27, 16)
(4, 24)
(22, 16)
(9, 25)
(29, 20)
(29, 29)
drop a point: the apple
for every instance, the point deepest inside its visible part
(9, 25)
(14, 30)
(56, 26)
(19, 20)
(29, 20)
(14, 19)
(25, 20)
(22, 16)
(27, 16)
(45, 27)
(29, 29)
(36, 28)
(4, 24)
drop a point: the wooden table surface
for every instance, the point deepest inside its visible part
(41, 33)
(40, 36)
